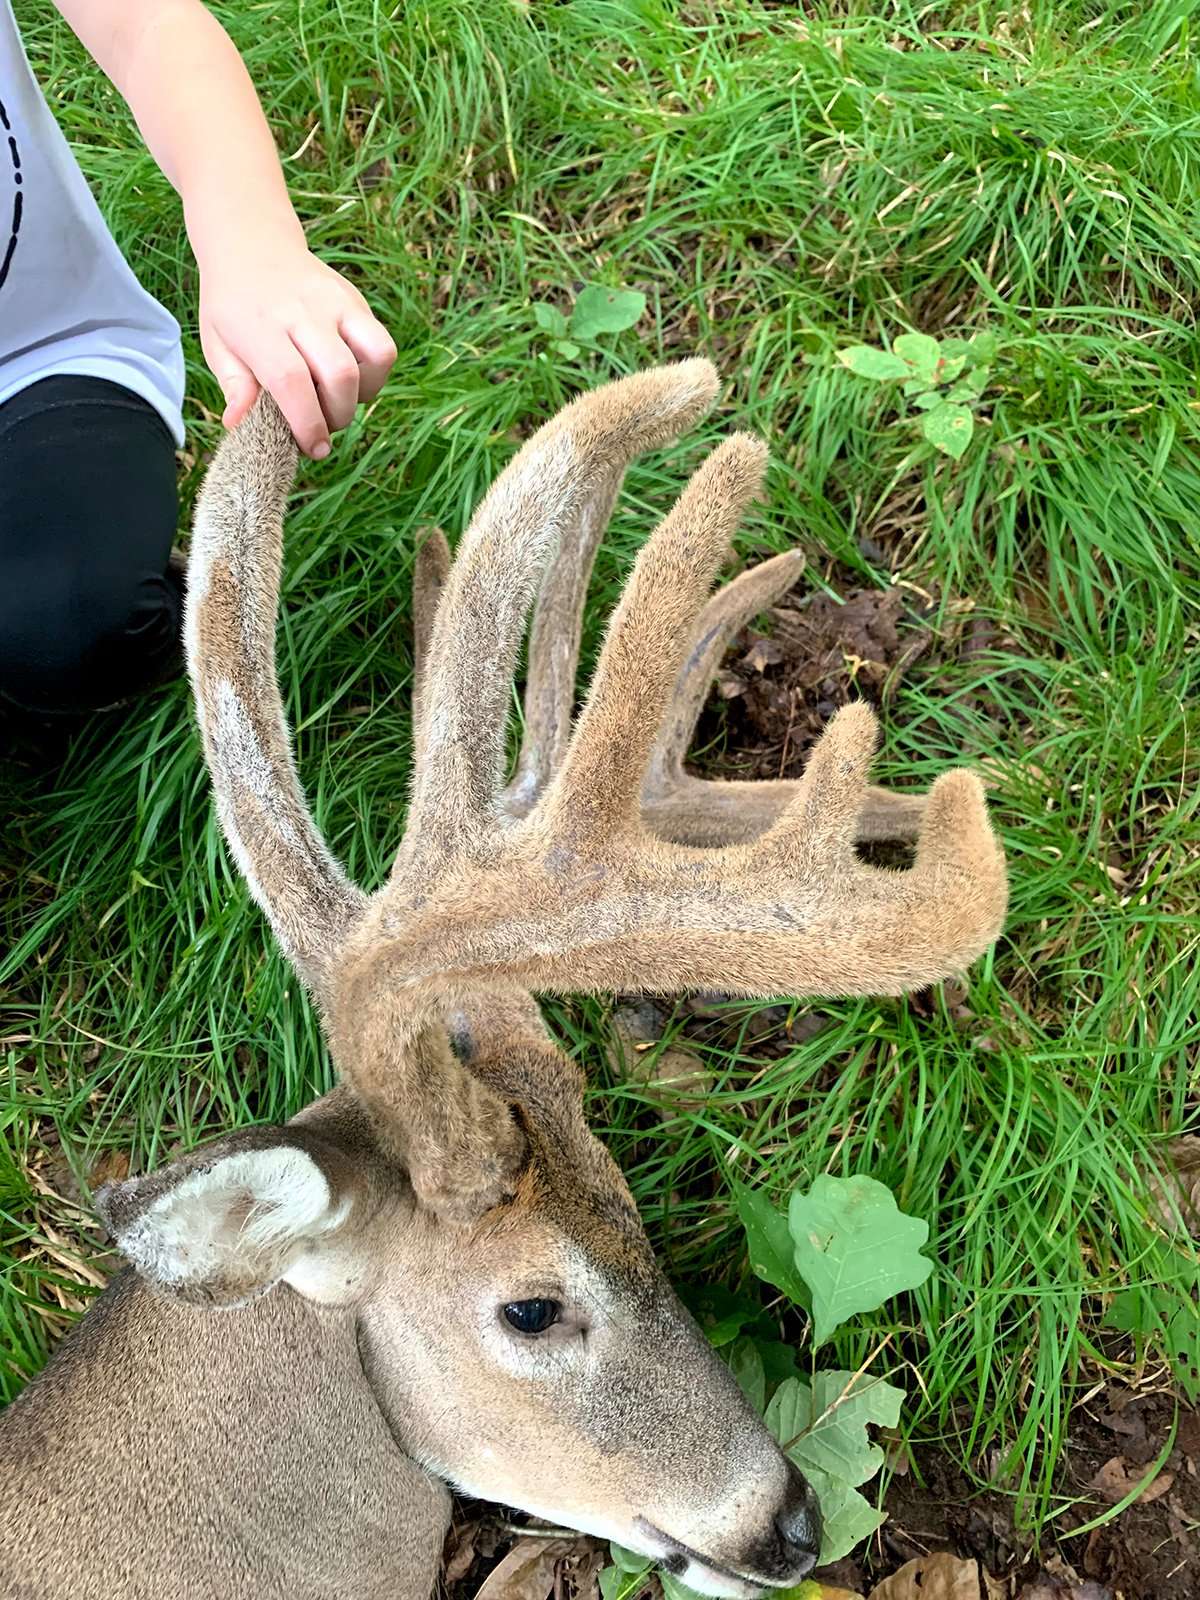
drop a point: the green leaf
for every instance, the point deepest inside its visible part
(867, 362)
(953, 348)
(1183, 1349)
(921, 352)
(977, 379)
(1132, 1311)
(674, 1590)
(610, 1581)
(927, 400)
(779, 1362)
(915, 386)
(550, 320)
(825, 1426)
(983, 347)
(723, 1315)
(746, 1364)
(948, 370)
(599, 310)
(772, 1252)
(823, 1429)
(566, 349)
(854, 1247)
(948, 428)
(846, 1518)
(620, 1583)
(628, 1560)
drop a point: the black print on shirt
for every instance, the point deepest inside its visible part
(14, 226)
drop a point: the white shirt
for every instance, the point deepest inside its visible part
(69, 302)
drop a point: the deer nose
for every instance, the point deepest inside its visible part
(799, 1524)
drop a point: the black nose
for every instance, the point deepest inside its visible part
(799, 1524)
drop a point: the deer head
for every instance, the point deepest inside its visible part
(511, 1319)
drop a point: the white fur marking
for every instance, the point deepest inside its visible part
(247, 1207)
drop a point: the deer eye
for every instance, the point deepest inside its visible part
(532, 1316)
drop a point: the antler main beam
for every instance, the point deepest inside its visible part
(229, 632)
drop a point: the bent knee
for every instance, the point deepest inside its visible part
(72, 639)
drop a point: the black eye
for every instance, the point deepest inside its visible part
(532, 1316)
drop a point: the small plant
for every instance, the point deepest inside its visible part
(841, 1249)
(943, 378)
(597, 310)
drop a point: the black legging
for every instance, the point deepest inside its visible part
(89, 606)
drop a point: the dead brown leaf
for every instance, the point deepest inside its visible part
(1116, 1479)
(527, 1571)
(936, 1577)
(1048, 1587)
(763, 653)
(1177, 1196)
(675, 1080)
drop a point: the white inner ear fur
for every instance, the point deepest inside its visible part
(247, 1211)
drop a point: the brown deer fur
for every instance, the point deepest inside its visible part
(295, 1441)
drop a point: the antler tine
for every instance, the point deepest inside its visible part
(597, 791)
(554, 648)
(491, 586)
(688, 810)
(229, 631)
(431, 568)
(728, 610)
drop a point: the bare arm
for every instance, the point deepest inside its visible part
(271, 314)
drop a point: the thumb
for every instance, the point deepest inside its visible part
(238, 383)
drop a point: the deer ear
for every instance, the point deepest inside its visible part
(225, 1224)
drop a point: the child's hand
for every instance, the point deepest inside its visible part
(283, 321)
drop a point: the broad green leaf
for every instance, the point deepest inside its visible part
(628, 1560)
(983, 347)
(962, 394)
(949, 369)
(779, 1362)
(723, 1315)
(610, 1582)
(928, 400)
(948, 428)
(599, 310)
(823, 1429)
(726, 1331)
(846, 1518)
(1132, 1311)
(772, 1252)
(854, 1247)
(867, 362)
(620, 1583)
(566, 349)
(977, 379)
(953, 348)
(746, 1364)
(1183, 1349)
(921, 352)
(550, 320)
(824, 1426)
(674, 1590)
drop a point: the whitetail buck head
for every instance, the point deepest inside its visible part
(511, 1320)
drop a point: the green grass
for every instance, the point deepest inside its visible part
(779, 185)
